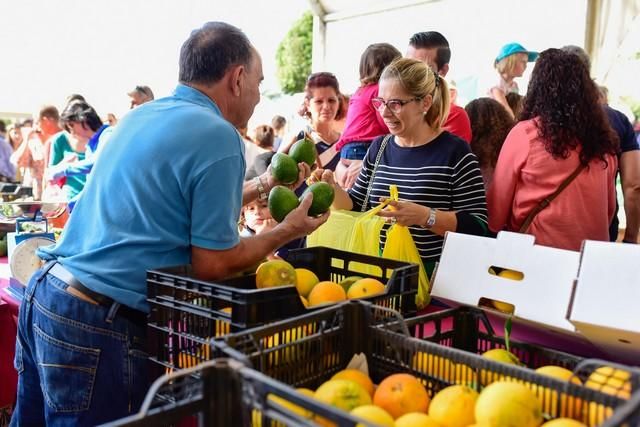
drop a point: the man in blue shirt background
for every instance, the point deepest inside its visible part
(166, 190)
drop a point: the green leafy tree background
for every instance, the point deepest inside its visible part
(293, 57)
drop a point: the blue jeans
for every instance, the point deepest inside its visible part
(355, 150)
(78, 363)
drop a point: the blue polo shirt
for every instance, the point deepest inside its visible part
(170, 177)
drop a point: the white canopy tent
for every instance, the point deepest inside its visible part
(475, 30)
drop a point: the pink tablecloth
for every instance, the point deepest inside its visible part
(8, 375)
(8, 330)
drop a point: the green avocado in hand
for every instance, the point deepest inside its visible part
(323, 195)
(304, 150)
(284, 168)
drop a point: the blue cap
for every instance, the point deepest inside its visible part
(513, 48)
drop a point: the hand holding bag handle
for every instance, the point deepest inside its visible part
(547, 200)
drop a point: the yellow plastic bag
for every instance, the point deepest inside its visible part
(400, 246)
(336, 232)
(357, 232)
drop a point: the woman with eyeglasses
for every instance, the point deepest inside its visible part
(438, 178)
(322, 107)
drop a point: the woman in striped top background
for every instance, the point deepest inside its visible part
(438, 178)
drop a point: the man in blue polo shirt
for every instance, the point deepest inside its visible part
(166, 190)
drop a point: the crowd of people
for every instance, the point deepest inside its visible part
(54, 154)
(170, 181)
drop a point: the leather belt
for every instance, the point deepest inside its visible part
(133, 315)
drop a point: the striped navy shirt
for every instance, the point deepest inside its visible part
(443, 175)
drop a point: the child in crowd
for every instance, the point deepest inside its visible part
(510, 63)
(363, 123)
(255, 218)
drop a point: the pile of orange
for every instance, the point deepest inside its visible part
(312, 291)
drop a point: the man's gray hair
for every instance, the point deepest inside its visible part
(210, 50)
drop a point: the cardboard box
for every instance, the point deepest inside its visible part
(541, 298)
(605, 305)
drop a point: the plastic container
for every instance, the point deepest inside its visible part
(224, 392)
(309, 350)
(469, 329)
(186, 313)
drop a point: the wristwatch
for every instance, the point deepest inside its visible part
(431, 221)
(262, 194)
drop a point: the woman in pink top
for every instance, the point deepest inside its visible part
(363, 123)
(563, 126)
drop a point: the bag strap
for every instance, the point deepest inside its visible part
(547, 200)
(373, 173)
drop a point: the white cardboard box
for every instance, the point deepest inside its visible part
(606, 301)
(542, 296)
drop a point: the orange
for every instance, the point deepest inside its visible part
(326, 292)
(610, 381)
(365, 288)
(357, 376)
(499, 355)
(563, 422)
(570, 406)
(222, 326)
(507, 404)
(275, 273)
(443, 368)
(373, 414)
(292, 407)
(511, 274)
(305, 281)
(400, 394)
(416, 419)
(343, 394)
(453, 406)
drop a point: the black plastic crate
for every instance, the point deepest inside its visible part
(324, 342)
(186, 313)
(224, 392)
(469, 329)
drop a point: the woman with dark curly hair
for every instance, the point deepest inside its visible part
(490, 125)
(563, 129)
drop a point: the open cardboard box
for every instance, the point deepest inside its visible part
(605, 305)
(541, 297)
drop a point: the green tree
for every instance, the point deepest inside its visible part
(293, 57)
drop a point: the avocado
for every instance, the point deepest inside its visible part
(281, 201)
(284, 169)
(304, 150)
(323, 195)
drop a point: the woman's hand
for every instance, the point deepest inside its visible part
(349, 172)
(405, 213)
(322, 175)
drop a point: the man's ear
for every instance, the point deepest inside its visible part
(236, 79)
(444, 70)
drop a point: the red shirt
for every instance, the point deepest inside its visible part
(526, 173)
(363, 123)
(458, 123)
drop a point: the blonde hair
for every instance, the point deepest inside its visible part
(506, 65)
(419, 80)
